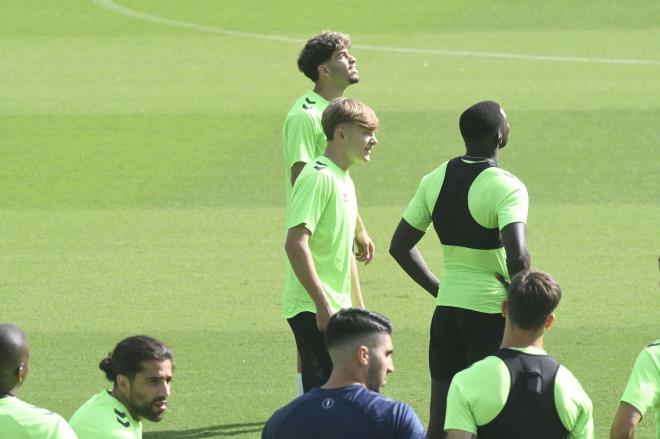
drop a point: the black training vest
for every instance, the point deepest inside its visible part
(451, 216)
(530, 411)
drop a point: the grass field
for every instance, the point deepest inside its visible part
(141, 186)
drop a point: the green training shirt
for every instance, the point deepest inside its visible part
(496, 198)
(20, 420)
(104, 417)
(643, 388)
(478, 394)
(302, 133)
(323, 199)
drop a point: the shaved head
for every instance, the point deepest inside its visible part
(14, 356)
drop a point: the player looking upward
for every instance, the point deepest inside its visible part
(18, 419)
(326, 61)
(321, 217)
(479, 212)
(140, 369)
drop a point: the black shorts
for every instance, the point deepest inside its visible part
(315, 364)
(460, 337)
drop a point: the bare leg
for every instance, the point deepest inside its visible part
(439, 392)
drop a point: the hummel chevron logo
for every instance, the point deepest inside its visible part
(309, 101)
(125, 424)
(306, 107)
(320, 165)
(120, 414)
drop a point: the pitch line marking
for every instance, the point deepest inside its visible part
(112, 6)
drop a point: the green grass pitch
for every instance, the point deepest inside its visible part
(141, 186)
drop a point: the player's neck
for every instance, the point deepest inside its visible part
(336, 157)
(520, 338)
(328, 90)
(115, 394)
(479, 154)
(342, 378)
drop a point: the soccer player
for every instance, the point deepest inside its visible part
(325, 60)
(140, 369)
(18, 419)
(520, 392)
(642, 392)
(321, 217)
(349, 405)
(479, 212)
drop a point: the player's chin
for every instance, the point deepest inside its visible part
(156, 413)
(354, 78)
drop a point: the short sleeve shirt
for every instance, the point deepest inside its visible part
(643, 388)
(302, 133)
(104, 417)
(347, 412)
(323, 199)
(496, 199)
(478, 394)
(20, 420)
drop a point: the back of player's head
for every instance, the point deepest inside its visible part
(342, 110)
(14, 353)
(127, 357)
(354, 324)
(532, 297)
(319, 49)
(481, 123)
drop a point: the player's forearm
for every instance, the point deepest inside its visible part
(413, 263)
(626, 419)
(300, 257)
(356, 290)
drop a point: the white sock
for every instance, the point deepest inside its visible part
(299, 384)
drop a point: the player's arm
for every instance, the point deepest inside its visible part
(300, 257)
(356, 290)
(403, 249)
(514, 236)
(626, 419)
(366, 249)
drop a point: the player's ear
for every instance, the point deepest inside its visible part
(549, 321)
(123, 383)
(323, 70)
(362, 355)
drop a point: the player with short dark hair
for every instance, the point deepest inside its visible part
(349, 405)
(18, 419)
(479, 212)
(326, 61)
(641, 393)
(321, 217)
(520, 392)
(140, 369)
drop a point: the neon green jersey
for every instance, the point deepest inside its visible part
(478, 394)
(104, 417)
(20, 420)
(643, 388)
(323, 199)
(495, 199)
(302, 133)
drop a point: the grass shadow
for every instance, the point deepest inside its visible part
(226, 430)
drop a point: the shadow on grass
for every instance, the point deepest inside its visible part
(226, 430)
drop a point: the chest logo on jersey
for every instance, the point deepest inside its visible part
(327, 403)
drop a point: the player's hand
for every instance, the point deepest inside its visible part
(323, 316)
(366, 249)
(503, 280)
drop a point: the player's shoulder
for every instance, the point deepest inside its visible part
(101, 411)
(41, 421)
(651, 355)
(567, 387)
(307, 106)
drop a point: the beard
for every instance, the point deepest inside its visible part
(149, 409)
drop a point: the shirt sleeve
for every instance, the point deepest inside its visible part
(418, 212)
(643, 387)
(408, 424)
(62, 430)
(309, 198)
(573, 405)
(299, 139)
(459, 415)
(514, 205)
